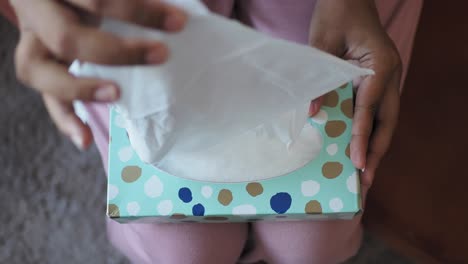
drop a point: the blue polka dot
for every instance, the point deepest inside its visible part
(185, 195)
(198, 210)
(280, 202)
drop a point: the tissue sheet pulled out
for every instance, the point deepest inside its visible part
(230, 105)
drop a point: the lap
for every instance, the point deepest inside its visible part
(308, 242)
(179, 243)
(274, 242)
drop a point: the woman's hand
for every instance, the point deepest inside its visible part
(351, 29)
(54, 33)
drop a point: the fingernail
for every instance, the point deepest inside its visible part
(174, 22)
(77, 141)
(158, 55)
(313, 109)
(106, 93)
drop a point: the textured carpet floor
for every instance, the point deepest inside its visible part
(52, 197)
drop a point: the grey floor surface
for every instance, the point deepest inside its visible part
(52, 197)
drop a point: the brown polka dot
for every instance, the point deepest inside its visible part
(332, 170)
(313, 207)
(113, 211)
(131, 173)
(330, 99)
(347, 108)
(348, 151)
(225, 197)
(178, 216)
(335, 128)
(254, 188)
(343, 86)
(216, 218)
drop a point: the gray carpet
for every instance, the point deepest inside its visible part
(52, 197)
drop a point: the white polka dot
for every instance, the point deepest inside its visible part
(133, 208)
(206, 191)
(351, 183)
(336, 204)
(332, 149)
(112, 191)
(310, 188)
(165, 207)
(154, 187)
(125, 154)
(119, 121)
(245, 209)
(321, 117)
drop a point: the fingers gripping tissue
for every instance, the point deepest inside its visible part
(230, 105)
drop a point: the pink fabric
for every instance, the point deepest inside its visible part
(274, 242)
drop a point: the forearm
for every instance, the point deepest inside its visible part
(7, 11)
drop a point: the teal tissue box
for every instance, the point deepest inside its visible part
(325, 188)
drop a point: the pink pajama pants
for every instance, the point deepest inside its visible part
(274, 242)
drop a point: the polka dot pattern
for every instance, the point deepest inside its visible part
(206, 191)
(131, 173)
(305, 194)
(133, 208)
(335, 128)
(347, 108)
(330, 99)
(165, 207)
(185, 195)
(281, 202)
(336, 204)
(254, 189)
(313, 207)
(332, 149)
(112, 191)
(119, 121)
(332, 170)
(348, 151)
(310, 188)
(352, 183)
(225, 197)
(113, 210)
(320, 118)
(246, 209)
(198, 210)
(153, 187)
(125, 153)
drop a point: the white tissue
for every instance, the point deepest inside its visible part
(230, 105)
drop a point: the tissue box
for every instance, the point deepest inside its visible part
(326, 188)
